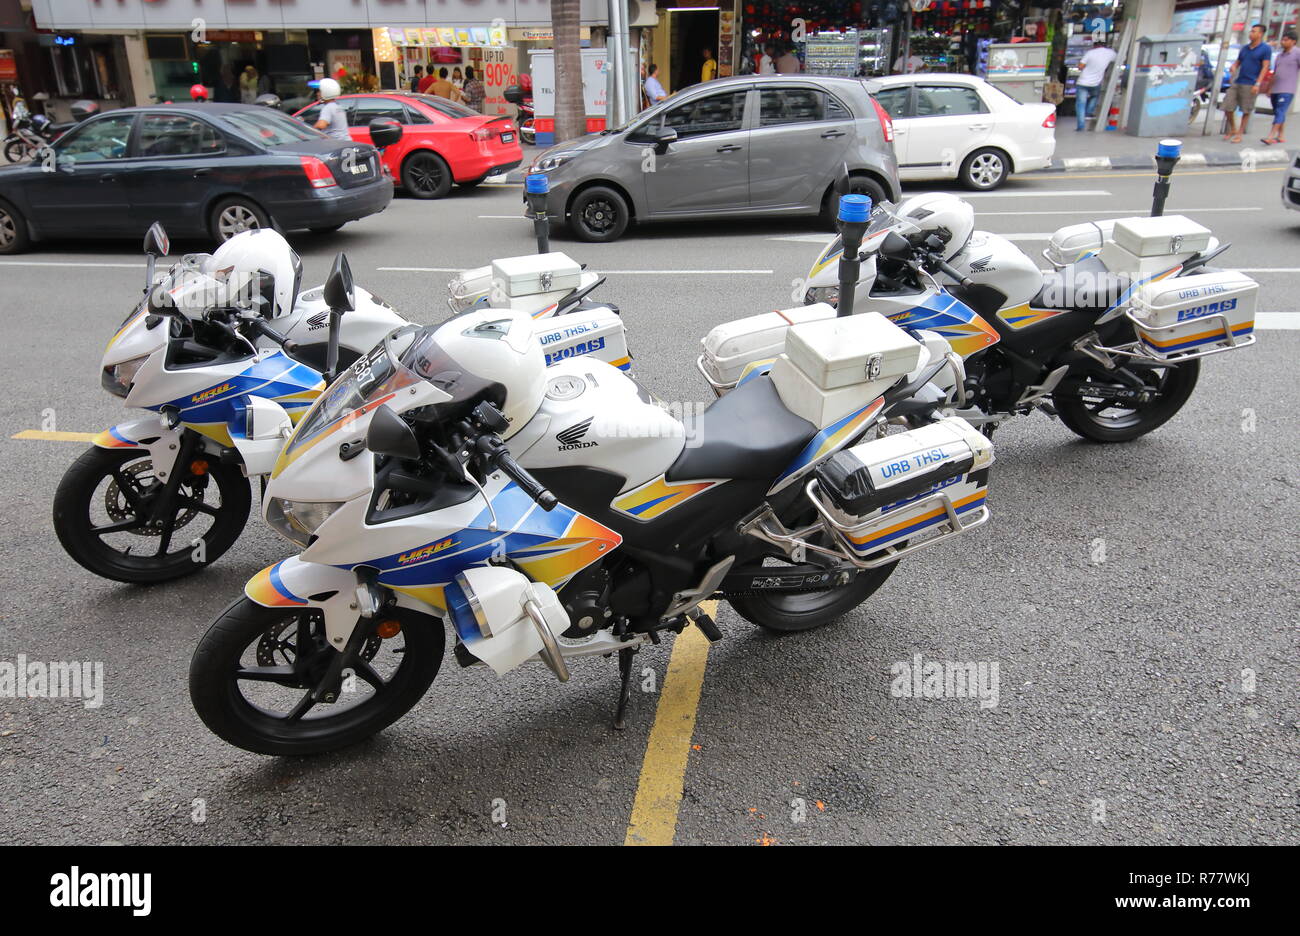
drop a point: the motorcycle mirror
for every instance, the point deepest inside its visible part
(896, 247)
(156, 242)
(338, 293)
(514, 94)
(389, 434)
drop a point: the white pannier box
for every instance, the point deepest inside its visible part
(1160, 237)
(536, 273)
(1192, 316)
(597, 332)
(730, 348)
(1074, 241)
(834, 367)
(839, 352)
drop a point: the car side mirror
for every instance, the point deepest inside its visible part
(514, 94)
(662, 138)
(338, 293)
(896, 247)
(156, 242)
(390, 434)
(385, 131)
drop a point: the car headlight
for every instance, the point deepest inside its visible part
(117, 378)
(827, 294)
(552, 161)
(298, 521)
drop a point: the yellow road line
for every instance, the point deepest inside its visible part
(55, 436)
(659, 791)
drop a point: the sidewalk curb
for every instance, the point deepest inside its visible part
(1255, 155)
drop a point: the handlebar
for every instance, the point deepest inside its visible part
(260, 327)
(495, 456)
(950, 271)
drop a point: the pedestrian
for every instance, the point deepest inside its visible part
(443, 87)
(788, 64)
(914, 64)
(333, 120)
(427, 81)
(653, 89)
(709, 70)
(1286, 69)
(227, 90)
(1087, 88)
(473, 91)
(458, 79)
(767, 62)
(248, 85)
(1247, 72)
(417, 77)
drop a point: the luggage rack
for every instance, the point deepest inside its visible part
(952, 525)
(1138, 351)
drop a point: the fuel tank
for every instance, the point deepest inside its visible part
(995, 261)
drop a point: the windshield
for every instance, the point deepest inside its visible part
(270, 128)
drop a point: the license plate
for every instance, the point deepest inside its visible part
(507, 138)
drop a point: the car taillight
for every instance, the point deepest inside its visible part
(318, 174)
(482, 134)
(1050, 122)
(886, 124)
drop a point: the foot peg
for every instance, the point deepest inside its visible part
(706, 625)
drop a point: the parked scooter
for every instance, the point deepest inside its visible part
(552, 513)
(31, 133)
(522, 98)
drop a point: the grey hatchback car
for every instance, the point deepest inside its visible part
(748, 146)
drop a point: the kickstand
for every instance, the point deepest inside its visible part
(625, 686)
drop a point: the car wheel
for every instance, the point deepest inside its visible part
(235, 216)
(426, 175)
(985, 169)
(599, 215)
(470, 183)
(858, 185)
(13, 230)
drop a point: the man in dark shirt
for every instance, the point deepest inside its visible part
(1247, 72)
(416, 78)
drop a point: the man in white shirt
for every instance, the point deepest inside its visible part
(766, 64)
(914, 64)
(654, 91)
(1092, 71)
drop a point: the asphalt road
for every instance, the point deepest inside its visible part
(1121, 686)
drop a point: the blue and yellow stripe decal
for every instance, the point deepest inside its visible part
(879, 539)
(955, 321)
(113, 438)
(829, 440)
(1192, 341)
(659, 496)
(267, 588)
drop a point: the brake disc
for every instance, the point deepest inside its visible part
(274, 649)
(119, 508)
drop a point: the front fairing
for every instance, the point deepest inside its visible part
(138, 336)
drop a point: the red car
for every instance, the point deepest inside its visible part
(442, 141)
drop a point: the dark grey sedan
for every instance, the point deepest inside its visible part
(754, 145)
(203, 170)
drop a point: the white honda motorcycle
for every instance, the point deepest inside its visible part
(552, 513)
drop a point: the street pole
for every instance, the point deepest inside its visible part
(616, 52)
(1218, 66)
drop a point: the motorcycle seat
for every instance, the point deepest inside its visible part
(1085, 286)
(747, 435)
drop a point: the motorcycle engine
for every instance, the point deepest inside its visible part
(586, 601)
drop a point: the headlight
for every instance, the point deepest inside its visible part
(118, 378)
(298, 521)
(827, 294)
(553, 161)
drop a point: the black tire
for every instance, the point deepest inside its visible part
(803, 611)
(1090, 421)
(471, 183)
(599, 215)
(426, 175)
(232, 216)
(229, 714)
(79, 490)
(16, 151)
(858, 185)
(325, 229)
(985, 169)
(14, 237)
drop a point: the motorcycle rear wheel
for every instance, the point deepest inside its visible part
(801, 611)
(130, 484)
(218, 674)
(17, 151)
(1100, 421)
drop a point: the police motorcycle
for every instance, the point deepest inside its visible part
(223, 355)
(550, 514)
(1110, 341)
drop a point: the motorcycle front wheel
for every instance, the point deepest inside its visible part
(256, 670)
(1100, 419)
(17, 151)
(105, 516)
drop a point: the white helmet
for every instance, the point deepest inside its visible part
(935, 211)
(491, 354)
(260, 264)
(329, 89)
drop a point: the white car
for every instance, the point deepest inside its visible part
(961, 127)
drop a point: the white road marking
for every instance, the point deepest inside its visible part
(1093, 211)
(804, 238)
(1064, 193)
(1267, 269)
(603, 272)
(1277, 321)
(70, 263)
(513, 217)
